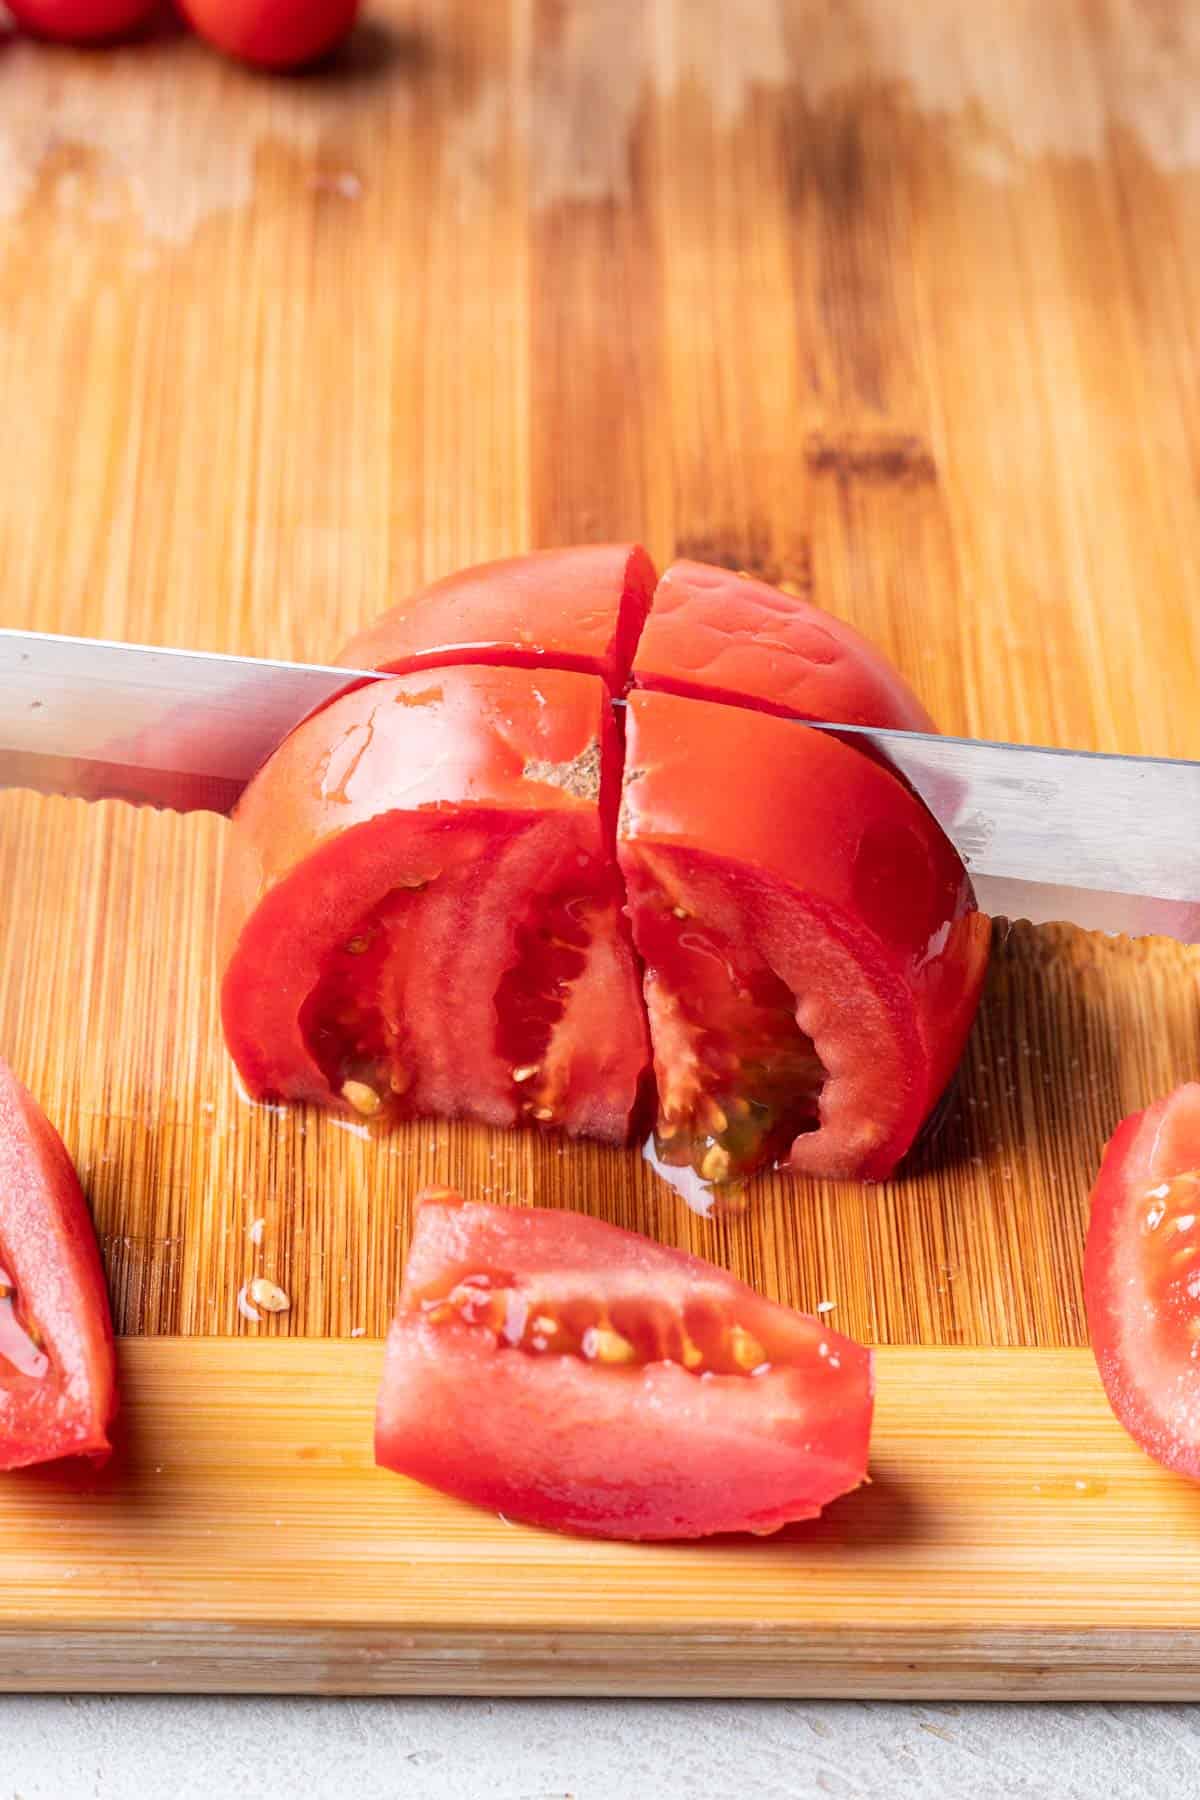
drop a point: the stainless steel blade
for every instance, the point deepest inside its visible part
(176, 728)
(1108, 842)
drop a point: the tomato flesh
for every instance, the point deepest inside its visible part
(859, 951)
(580, 609)
(57, 1375)
(579, 1377)
(421, 909)
(715, 635)
(1142, 1278)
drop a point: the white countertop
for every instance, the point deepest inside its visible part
(200, 1749)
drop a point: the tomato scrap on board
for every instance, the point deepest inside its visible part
(1142, 1277)
(57, 1372)
(572, 1375)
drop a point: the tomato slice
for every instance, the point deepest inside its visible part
(1142, 1277)
(573, 1375)
(813, 951)
(580, 608)
(421, 910)
(57, 1374)
(719, 636)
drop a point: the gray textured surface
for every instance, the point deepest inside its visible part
(195, 1749)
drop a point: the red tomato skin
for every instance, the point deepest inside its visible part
(646, 1452)
(715, 635)
(487, 788)
(48, 1247)
(1125, 1314)
(580, 608)
(273, 34)
(842, 881)
(81, 21)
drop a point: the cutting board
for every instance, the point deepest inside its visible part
(895, 306)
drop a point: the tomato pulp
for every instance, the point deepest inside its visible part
(576, 1376)
(1142, 1278)
(57, 1376)
(419, 919)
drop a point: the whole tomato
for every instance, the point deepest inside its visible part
(273, 34)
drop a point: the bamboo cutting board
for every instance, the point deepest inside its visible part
(895, 305)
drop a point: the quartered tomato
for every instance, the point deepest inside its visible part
(57, 1378)
(813, 952)
(421, 912)
(1142, 1278)
(576, 1376)
(581, 608)
(719, 636)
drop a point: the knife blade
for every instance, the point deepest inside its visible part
(1104, 841)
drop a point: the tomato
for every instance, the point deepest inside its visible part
(273, 34)
(81, 21)
(813, 951)
(719, 636)
(581, 608)
(421, 912)
(1142, 1278)
(576, 1376)
(57, 1377)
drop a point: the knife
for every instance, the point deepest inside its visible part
(1111, 843)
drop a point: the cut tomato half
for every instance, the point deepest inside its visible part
(422, 912)
(813, 951)
(580, 609)
(1142, 1278)
(714, 635)
(57, 1372)
(573, 1375)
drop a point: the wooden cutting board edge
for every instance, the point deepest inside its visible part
(241, 1540)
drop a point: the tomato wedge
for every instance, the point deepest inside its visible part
(421, 912)
(813, 951)
(580, 608)
(719, 636)
(573, 1375)
(1142, 1278)
(57, 1373)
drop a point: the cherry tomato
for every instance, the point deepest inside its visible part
(273, 34)
(567, 609)
(719, 636)
(1142, 1278)
(813, 951)
(576, 1376)
(81, 21)
(57, 1378)
(421, 910)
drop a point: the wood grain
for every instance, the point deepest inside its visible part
(897, 306)
(243, 1539)
(793, 287)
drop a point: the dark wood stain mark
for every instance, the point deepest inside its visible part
(882, 456)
